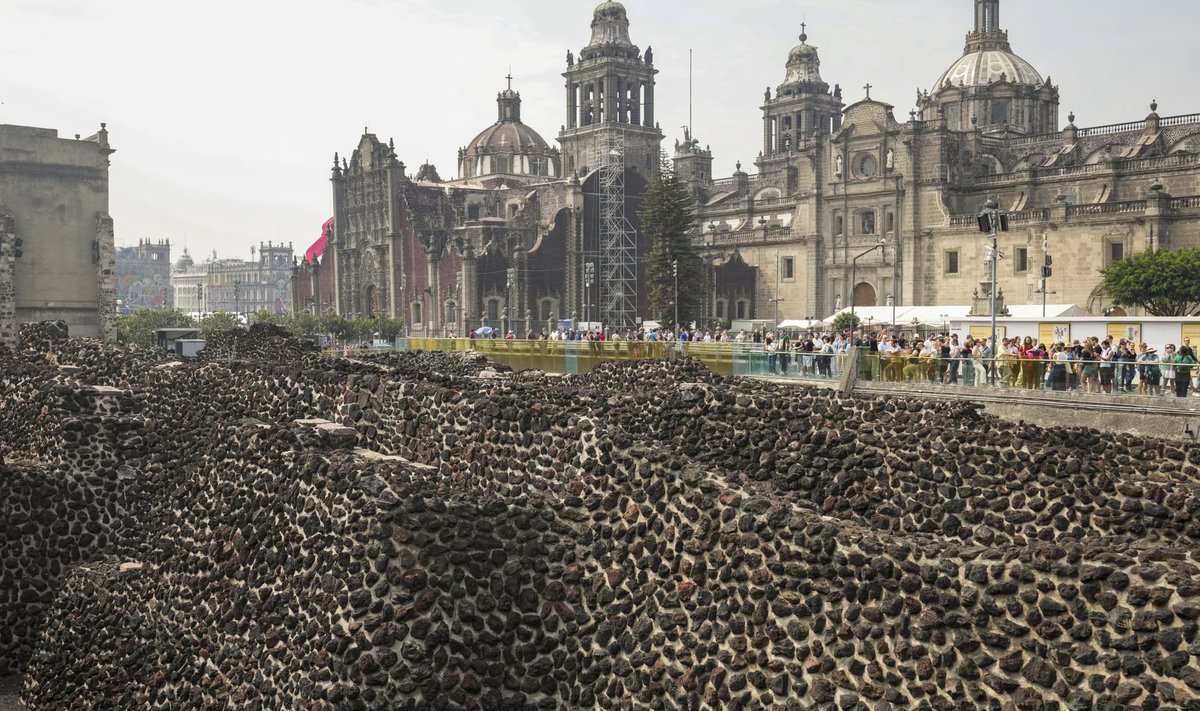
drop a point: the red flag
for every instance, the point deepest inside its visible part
(318, 248)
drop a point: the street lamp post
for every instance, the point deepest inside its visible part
(993, 221)
(675, 270)
(1047, 271)
(854, 282)
(510, 277)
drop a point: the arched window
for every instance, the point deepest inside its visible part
(838, 225)
(742, 307)
(415, 309)
(547, 309)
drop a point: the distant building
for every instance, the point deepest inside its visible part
(144, 277)
(235, 285)
(57, 257)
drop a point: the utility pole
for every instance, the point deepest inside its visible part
(237, 300)
(993, 221)
(778, 266)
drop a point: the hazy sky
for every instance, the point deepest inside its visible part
(225, 115)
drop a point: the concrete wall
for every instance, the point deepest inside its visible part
(57, 193)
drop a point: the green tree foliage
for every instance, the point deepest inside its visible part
(219, 321)
(389, 328)
(1163, 282)
(139, 327)
(337, 326)
(268, 316)
(303, 323)
(846, 320)
(667, 214)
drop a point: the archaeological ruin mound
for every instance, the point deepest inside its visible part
(265, 528)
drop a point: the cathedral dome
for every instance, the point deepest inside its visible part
(989, 88)
(508, 137)
(184, 262)
(986, 66)
(508, 147)
(803, 70)
(610, 33)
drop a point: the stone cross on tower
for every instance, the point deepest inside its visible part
(868, 88)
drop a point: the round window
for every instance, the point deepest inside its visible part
(867, 167)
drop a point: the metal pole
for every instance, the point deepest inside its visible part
(994, 216)
(1045, 263)
(777, 269)
(853, 282)
(895, 286)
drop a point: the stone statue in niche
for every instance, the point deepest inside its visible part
(837, 166)
(889, 161)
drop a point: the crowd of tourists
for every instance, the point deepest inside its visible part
(1093, 365)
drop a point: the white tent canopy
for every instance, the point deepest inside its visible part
(801, 324)
(936, 315)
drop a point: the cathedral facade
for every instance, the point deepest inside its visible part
(848, 204)
(838, 182)
(508, 242)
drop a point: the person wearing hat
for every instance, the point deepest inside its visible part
(1149, 371)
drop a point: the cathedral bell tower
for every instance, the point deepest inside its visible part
(802, 106)
(610, 88)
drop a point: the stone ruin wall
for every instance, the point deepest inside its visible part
(66, 454)
(421, 530)
(8, 288)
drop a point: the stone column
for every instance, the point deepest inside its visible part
(8, 291)
(106, 279)
(469, 299)
(611, 99)
(570, 105)
(435, 246)
(521, 290)
(649, 117)
(1158, 210)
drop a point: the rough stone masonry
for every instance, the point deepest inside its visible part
(428, 531)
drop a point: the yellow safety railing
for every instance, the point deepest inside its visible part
(582, 356)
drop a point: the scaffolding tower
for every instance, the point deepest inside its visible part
(618, 239)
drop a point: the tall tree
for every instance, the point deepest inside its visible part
(667, 214)
(1163, 282)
